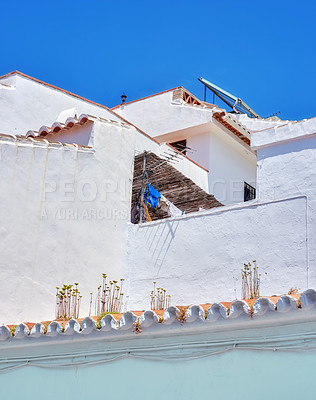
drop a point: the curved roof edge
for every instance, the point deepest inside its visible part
(240, 311)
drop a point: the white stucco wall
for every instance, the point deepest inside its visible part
(231, 164)
(200, 153)
(64, 215)
(31, 104)
(198, 142)
(158, 115)
(143, 113)
(198, 258)
(79, 134)
(286, 164)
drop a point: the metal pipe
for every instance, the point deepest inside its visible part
(142, 189)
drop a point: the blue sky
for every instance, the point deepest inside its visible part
(261, 51)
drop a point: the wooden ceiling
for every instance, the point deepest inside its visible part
(171, 183)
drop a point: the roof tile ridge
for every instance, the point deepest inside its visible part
(239, 310)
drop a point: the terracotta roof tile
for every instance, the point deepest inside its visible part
(306, 299)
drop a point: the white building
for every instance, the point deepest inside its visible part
(67, 174)
(67, 177)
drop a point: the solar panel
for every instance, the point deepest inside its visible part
(234, 102)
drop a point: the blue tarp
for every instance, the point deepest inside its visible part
(151, 196)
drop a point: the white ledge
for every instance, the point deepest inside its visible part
(284, 133)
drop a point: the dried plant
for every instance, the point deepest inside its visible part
(12, 329)
(68, 301)
(46, 325)
(137, 329)
(293, 290)
(160, 300)
(251, 311)
(110, 297)
(250, 281)
(182, 315)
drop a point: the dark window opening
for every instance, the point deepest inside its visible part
(180, 145)
(249, 192)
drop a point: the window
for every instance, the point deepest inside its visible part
(249, 192)
(180, 145)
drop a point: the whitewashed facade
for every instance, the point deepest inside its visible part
(65, 201)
